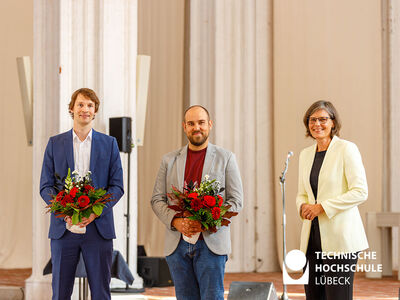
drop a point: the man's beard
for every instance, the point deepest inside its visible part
(198, 142)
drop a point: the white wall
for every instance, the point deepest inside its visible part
(160, 35)
(328, 50)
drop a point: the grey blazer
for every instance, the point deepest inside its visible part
(219, 164)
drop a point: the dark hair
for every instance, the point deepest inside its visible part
(330, 109)
(193, 106)
(87, 93)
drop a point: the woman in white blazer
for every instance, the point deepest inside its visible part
(332, 183)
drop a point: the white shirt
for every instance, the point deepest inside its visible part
(82, 153)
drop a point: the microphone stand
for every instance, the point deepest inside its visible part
(282, 181)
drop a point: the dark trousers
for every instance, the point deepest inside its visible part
(97, 256)
(329, 284)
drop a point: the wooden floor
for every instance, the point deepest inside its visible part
(376, 289)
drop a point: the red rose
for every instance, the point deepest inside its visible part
(220, 200)
(83, 201)
(196, 204)
(73, 191)
(209, 201)
(68, 199)
(59, 196)
(88, 188)
(193, 195)
(216, 213)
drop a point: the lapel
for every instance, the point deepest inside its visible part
(308, 162)
(69, 150)
(208, 161)
(180, 166)
(326, 163)
(94, 152)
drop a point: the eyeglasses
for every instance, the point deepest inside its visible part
(322, 120)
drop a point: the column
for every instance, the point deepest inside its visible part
(230, 74)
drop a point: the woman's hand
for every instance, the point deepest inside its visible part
(310, 211)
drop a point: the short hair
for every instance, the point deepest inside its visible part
(87, 93)
(330, 109)
(193, 106)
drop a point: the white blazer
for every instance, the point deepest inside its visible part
(342, 186)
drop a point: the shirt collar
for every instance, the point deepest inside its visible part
(76, 138)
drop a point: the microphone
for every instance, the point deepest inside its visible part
(282, 177)
(289, 155)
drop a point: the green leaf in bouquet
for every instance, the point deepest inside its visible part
(204, 225)
(209, 218)
(98, 208)
(75, 218)
(55, 206)
(100, 193)
(223, 210)
(194, 218)
(86, 213)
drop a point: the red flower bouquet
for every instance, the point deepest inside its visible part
(78, 199)
(203, 204)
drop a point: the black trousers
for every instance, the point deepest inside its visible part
(327, 281)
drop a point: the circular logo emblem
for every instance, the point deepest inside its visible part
(295, 260)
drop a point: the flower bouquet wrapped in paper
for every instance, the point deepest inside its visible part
(78, 199)
(204, 204)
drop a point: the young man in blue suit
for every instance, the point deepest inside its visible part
(83, 149)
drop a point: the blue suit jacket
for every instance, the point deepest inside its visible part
(106, 168)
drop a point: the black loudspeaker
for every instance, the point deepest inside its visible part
(154, 271)
(121, 129)
(141, 251)
(240, 290)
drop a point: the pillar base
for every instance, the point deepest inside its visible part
(38, 288)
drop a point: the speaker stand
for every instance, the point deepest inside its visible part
(284, 295)
(127, 289)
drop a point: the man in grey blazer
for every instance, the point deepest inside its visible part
(196, 269)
